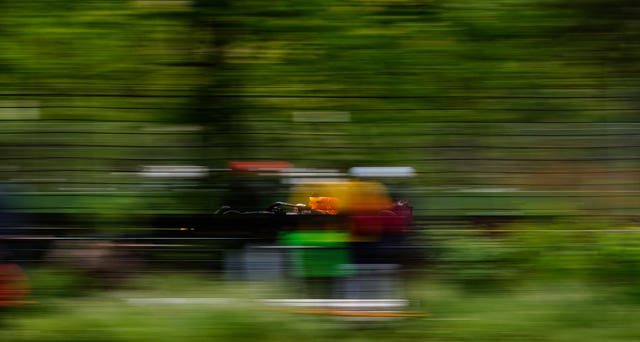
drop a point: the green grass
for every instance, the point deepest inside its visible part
(550, 311)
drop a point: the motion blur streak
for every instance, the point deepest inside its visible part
(178, 170)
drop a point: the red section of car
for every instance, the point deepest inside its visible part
(259, 166)
(14, 285)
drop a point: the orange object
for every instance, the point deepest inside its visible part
(352, 197)
(325, 204)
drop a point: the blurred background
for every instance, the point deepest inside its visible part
(517, 121)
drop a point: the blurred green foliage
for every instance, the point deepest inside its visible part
(529, 98)
(603, 256)
(459, 55)
(516, 94)
(558, 311)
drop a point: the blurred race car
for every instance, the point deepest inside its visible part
(375, 226)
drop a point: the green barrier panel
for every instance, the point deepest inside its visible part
(320, 253)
